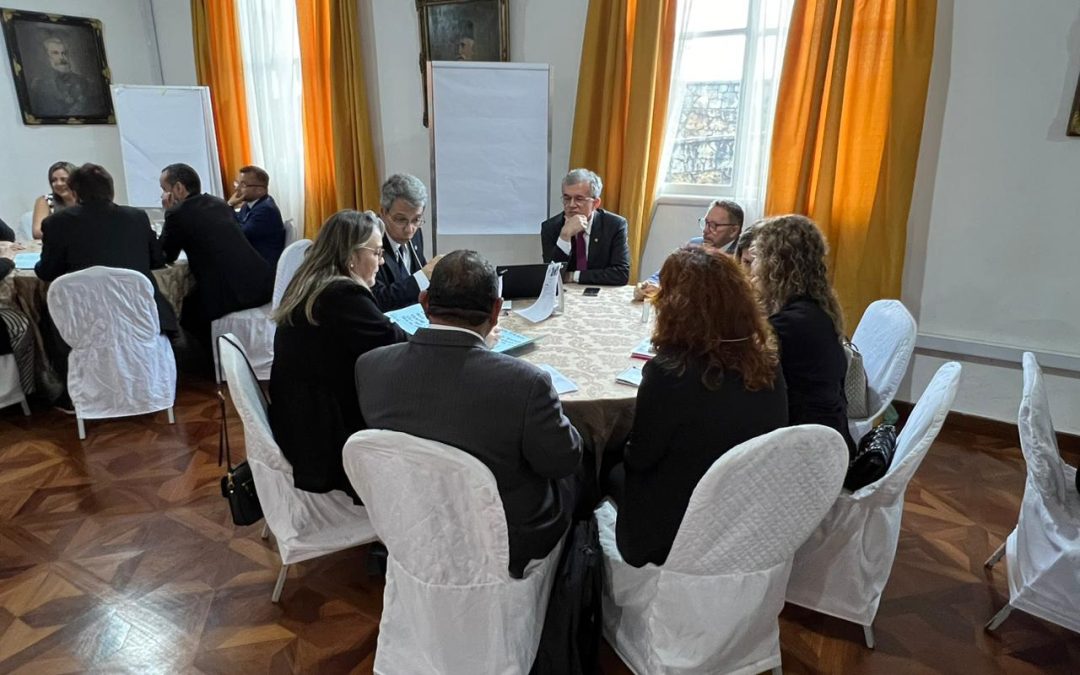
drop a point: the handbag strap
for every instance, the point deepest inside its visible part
(223, 433)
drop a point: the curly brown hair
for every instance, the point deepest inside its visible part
(706, 309)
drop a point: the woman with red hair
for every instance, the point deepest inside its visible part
(714, 383)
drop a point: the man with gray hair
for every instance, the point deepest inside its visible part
(406, 271)
(444, 384)
(590, 240)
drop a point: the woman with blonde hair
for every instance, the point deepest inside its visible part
(326, 320)
(789, 270)
(715, 382)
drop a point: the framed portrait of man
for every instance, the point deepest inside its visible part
(59, 68)
(462, 30)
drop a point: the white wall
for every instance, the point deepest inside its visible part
(133, 58)
(993, 232)
(541, 31)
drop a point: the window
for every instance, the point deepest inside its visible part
(726, 67)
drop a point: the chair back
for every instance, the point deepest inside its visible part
(287, 265)
(885, 338)
(1045, 469)
(120, 364)
(25, 229)
(251, 405)
(292, 233)
(435, 507)
(780, 484)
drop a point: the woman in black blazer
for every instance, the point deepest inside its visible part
(789, 269)
(326, 320)
(714, 383)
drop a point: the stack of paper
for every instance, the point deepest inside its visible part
(630, 376)
(644, 350)
(412, 319)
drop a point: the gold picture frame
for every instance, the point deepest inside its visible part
(461, 30)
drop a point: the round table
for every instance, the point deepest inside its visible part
(590, 343)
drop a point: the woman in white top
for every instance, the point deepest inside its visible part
(60, 198)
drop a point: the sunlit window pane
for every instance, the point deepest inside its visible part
(718, 15)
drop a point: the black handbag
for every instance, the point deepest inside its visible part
(873, 457)
(237, 485)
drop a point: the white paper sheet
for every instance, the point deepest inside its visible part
(562, 383)
(412, 319)
(630, 376)
(549, 296)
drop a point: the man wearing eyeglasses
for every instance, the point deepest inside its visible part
(406, 272)
(590, 240)
(720, 229)
(259, 216)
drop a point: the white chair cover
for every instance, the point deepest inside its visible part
(450, 606)
(842, 568)
(120, 363)
(10, 387)
(291, 233)
(713, 606)
(25, 229)
(305, 524)
(253, 327)
(885, 337)
(1043, 552)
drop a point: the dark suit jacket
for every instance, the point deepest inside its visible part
(814, 366)
(680, 428)
(448, 387)
(313, 399)
(609, 254)
(263, 227)
(6, 233)
(102, 233)
(395, 286)
(230, 275)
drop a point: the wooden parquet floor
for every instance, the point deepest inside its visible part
(117, 554)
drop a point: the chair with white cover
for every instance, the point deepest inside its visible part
(24, 231)
(885, 337)
(712, 606)
(305, 525)
(843, 567)
(253, 327)
(449, 605)
(292, 233)
(1043, 551)
(11, 391)
(120, 363)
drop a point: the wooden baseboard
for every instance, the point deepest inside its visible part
(1067, 443)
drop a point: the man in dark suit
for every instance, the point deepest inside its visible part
(230, 275)
(406, 271)
(590, 240)
(98, 232)
(446, 385)
(259, 216)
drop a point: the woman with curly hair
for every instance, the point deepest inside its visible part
(789, 269)
(715, 382)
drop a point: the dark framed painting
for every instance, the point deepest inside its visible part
(462, 30)
(58, 64)
(1074, 117)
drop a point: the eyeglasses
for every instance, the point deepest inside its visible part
(402, 221)
(708, 224)
(240, 184)
(379, 252)
(576, 200)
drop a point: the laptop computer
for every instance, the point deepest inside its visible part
(521, 281)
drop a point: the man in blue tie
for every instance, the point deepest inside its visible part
(591, 241)
(258, 216)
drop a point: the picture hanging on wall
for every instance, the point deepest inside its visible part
(59, 68)
(1074, 117)
(461, 30)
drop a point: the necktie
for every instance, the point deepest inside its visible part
(582, 260)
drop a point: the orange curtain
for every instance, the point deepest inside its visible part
(320, 189)
(357, 181)
(218, 65)
(849, 118)
(623, 86)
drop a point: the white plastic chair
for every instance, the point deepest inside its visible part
(843, 567)
(885, 337)
(712, 606)
(305, 525)
(11, 391)
(120, 363)
(253, 327)
(449, 605)
(1043, 552)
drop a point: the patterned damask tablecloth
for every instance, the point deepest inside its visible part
(590, 343)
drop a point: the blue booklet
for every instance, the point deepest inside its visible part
(412, 319)
(26, 261)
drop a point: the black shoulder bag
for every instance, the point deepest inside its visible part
(237, 485)
(873, 457)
